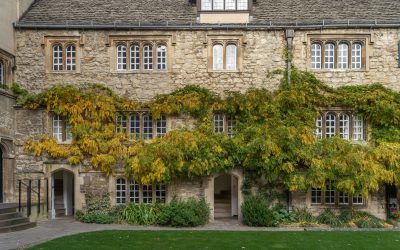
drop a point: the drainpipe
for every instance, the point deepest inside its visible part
(289, 37)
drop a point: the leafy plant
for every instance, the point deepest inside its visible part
(257, 213)
(142, 214)
(187, 213)
(329, 218)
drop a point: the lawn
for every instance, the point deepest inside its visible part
(225, 240)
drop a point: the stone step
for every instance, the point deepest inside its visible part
(17, 227)
(11, 215)
(222, 205)
(8, 210)
(222, 201)
(13, 221)
(222, 215)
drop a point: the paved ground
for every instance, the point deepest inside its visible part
(51, 229)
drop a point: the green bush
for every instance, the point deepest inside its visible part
(366, 220)
(329, 218)
(304, 216)
(256, 212)
(142, 214)
(98, 210)
(187, 213)
(282, 215)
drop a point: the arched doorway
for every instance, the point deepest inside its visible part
(1, 177)
(62, 194)
(226, 203)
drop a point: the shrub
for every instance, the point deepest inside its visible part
(187, 213)
(304, 216)
(329, 218)
(366, 220)
(256, 212)
(282, 215)
(98, 210)
(141, 214)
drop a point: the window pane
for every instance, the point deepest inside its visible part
(68, 132)
(147, 194)
(135, 126)
(218, 63)
(133, 192)
(316, 196)
(344, 126)
(57, 58)
(218, 123)
(330, 125)
(135, 57)
(57, 128)
(147, 127)
(121, 57)
(330, 193)
(231, 57)
(231, 125)
(343, 56)
(242, 4)
(218, 4)
(329, 56)
(71, 58)
(206, 4)
(122, 124)
(230, 4)
(160, 193)
(121, 191)
(316, 56)
(318, 129)
(358, 200)
(343, 198)
(356, 55)
(161, 57)
(1, 74)
(358, 128)
(161, 126)
(148, 57)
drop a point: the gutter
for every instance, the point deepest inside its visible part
(191, 26)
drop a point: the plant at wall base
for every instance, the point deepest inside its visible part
(274, 134)
(189, 213)
(257, 212)
(98, 210)
(142, 214)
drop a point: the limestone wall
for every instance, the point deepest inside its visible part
(262, 53)
(382, 57)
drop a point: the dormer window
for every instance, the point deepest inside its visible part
(224, 5)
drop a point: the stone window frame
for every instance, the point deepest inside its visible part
(322, 197)
(228, 125)
(2, 74)
(67, 137)
(364, 39)
(337, 112)
(141, 40)
(156, 126)
(8, 62)
(158, 191)
(225, 40)
(249, 7)
(64, 41)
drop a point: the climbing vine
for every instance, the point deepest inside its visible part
(274, 134)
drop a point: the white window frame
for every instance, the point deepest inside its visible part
(330, 125)
(219, 123)
(231, 56)
(161, 192)
(141, 125)
(135, 57)
(147, 194)
(318, 127)
(316, 196)
(218, 56)
(358, 200)
(134, 192)
(358, 128)
(344, 198)
(61, 129)
(120, 192)
(148, 57)
(343, 56)
(344, 126)
(206, 5)
(316, 56)
(57, 57)
(70, 57)
(356, 56)
(329, 54)
(121, 57)
(161, 57)
(330, 193)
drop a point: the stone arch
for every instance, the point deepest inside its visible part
(62, 192)
(6, 171)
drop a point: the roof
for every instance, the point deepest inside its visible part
(120, 13)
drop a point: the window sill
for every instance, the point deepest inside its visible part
(338, 206)
(140, 72)
(222, 11)
(64, 142)
(338, 70)
(64, 72)
(224, 71)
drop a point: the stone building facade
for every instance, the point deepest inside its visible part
(365, 50)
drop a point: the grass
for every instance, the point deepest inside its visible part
(225, 240)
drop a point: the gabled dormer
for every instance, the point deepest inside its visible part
(224, 11)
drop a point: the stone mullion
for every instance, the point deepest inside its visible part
(323, 54)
